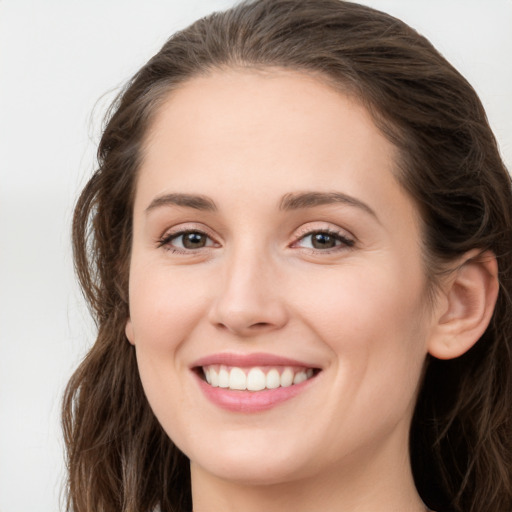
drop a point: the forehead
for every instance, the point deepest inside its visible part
(273, 130)
(238, 103)
(251, 110)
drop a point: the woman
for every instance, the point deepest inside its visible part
(297, 247)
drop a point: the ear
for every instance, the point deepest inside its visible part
(129, 331)
(466, 305)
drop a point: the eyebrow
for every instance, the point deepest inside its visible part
(312, 199)
(289, 202)
(196, 202)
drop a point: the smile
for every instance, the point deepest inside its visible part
(256, 378)
(251, 383)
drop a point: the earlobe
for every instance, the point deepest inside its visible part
(129, 331)
(470, 296)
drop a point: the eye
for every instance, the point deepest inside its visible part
(187, 240)
(324, 240)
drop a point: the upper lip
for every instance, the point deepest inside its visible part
(249, 360)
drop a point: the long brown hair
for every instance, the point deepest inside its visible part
(119, 458)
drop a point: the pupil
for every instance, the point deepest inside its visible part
(323, 241)
(193, 240)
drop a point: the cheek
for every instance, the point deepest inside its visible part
(377, 330)
(363, 299)
(373, 319)
(164, 307)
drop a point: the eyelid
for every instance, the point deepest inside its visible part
(315, 227)
(181, 229)
(347, 239)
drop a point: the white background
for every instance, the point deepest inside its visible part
(61, 63)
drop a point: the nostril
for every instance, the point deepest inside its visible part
(259, 325)
(248, 329)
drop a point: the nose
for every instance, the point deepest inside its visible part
(250, 299)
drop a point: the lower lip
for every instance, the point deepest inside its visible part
(251, 401)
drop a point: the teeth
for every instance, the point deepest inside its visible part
(273, 380)
(214, 378)
(287, 377)
(299, 377)
(223, 377)
(237, 379)
(254, 379)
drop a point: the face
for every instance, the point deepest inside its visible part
(274, 250)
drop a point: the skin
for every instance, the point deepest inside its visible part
(246, 139)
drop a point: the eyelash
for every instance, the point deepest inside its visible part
(344, 242)
(165, 241)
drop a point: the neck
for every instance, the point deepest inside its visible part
(364, 483)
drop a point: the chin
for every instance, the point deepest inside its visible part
(253, 473)
(252, 465)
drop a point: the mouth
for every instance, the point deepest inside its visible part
(252, 383)
(256, 378)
